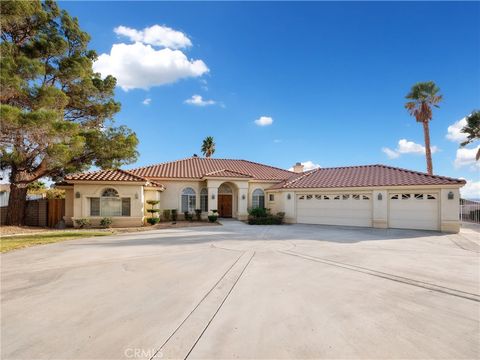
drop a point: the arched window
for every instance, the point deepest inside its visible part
(109, 204)
(189, 200)
(258, 199)
(109, 192)
(204, 200)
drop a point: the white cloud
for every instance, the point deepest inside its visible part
(466, 157)
(277, 141)
(392, 154)
(141, 66)
(407, 147)
(156, 35)
(454, 131)
(197, 100)
(264, 121)
(308, 165)
(147, 101)
(471, 190)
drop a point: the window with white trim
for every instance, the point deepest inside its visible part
(204, 200)
(258, 199)
(110, 204)
(189, 199)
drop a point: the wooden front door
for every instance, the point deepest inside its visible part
(225, 206)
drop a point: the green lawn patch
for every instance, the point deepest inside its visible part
(9, 243)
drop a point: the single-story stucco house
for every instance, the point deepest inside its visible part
(372, 195)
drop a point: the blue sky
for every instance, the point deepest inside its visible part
(331, 76)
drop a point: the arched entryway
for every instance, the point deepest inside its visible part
(225, 201)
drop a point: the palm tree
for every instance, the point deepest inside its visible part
(208, 146)
(422, 97)
(472, 129)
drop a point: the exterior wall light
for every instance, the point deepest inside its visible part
(77, 194)
(213, 196)
(379, 197)
(450, 195)
(289, 196)
(136, 195)
(243, 196)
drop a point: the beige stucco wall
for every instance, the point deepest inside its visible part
(81, 205)
(449, 210)
(68, 207)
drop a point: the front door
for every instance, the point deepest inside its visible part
(225, 206)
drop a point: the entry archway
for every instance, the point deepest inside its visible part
(225, 200)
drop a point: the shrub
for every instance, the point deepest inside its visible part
(82, 223)
(188, 216)
(214, 211)
(258, 212)
(106, 222)
(153, 202)
(198, 214)
(261, 216)
(166, 215)
(153, 220)
(212, 218)
(174, 215)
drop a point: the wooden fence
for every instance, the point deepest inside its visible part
(42, 212)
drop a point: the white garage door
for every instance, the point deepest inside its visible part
(413, 211)
(335, 209)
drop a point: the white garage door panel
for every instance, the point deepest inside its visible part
(413, 211)
(344, 211)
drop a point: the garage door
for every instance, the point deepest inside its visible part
(335, 209)
(413, 211)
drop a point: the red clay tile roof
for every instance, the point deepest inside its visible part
(197, 168)
(227, 173)
(111, 175)
(362, 176)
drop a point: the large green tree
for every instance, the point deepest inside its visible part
(472, 129)
(208, 146)
(422, 97)
(56, 112)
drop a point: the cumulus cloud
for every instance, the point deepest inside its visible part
(264, 121)
(471, 190)
(156, 35)
(454, 131)
(197, 100)
(147, 101)
(141, 66)
(308, 165)
(392, 154)
(466, 157)
(407, 147)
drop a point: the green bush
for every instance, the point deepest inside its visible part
(153, 202)
(262, 216)
(82, 223)
(153, 211)
(188, 216)
(198, 214)
(212, 218)
(106, 222)
(153, 220)
(166, 215)
(174, 215)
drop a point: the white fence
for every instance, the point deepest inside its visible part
(470, 211)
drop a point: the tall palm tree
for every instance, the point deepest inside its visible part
(423, 96)
(208, 146)
(472, 129)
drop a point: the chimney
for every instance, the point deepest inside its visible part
(298, 168)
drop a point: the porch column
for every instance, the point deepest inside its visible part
(242, 201)
(212, 198)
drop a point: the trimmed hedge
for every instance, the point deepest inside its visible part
(261, 216)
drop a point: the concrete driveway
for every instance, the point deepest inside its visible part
(239, 291)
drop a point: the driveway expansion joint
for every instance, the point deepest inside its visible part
(387, 276)
(183, 340)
